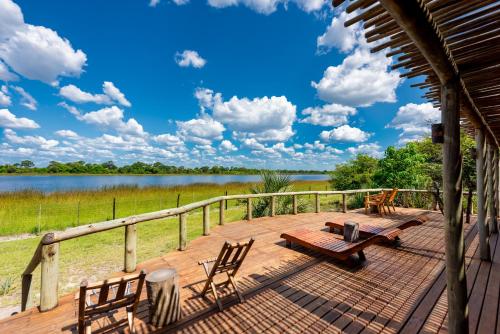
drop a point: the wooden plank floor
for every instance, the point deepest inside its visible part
(295, 290)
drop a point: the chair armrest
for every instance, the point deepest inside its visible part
(207, 261)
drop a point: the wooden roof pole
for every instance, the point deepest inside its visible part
(417, 23)
(412, 17)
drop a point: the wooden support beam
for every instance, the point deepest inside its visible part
(273, 206)
(497, 180)
(130, 248)
(344, 203)
(206, 220)
(452, 193)
(491, 191)
(317, 205)
(295, 205)
(182, 231)
(221, 212)
(49, 277)
(484, 245)
(249, 209)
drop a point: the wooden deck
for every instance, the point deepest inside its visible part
(295, 290)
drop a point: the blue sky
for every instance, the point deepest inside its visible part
(260, 83)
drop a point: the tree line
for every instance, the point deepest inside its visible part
(109, 167)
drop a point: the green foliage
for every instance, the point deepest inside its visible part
(273, 182)
(109, 167)
(354, 174)
(402, 168)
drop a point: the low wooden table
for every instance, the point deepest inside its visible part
(163, 295)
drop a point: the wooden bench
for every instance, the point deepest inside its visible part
(388, 233)
(328, 243)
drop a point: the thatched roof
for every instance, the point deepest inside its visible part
(438, 39)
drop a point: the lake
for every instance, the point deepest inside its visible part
(50, 183)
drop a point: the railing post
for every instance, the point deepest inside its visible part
(295, 206)
(484, 244)
(206, 220)
(221, 212)
(249, 208)
(182, 231)
(130, 248)
(317, 207)
(49, 274)
(273, 206)
(491, 190)
(344, 202)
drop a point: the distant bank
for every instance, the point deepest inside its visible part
(51, 183)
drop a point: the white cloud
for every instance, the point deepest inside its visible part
(328, 115)
(110, 117)
(36, 52)
(111, 93)
(227, 146)
(67, 134)
(154, 3)
(415, 121)
(26, 99)
(9, 120)
(201, 130)
(168, 139)
(361, 80)
(371, 149)
(188, 58)
(269, 6)
(5, 99)
(338, 36)
(345, 133)
(265, 118)
(39, 141)
(5, 74)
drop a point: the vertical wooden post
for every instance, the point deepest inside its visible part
(130, 248)
(206, 220)
(114, 208)
(182, 231)
(49, 274)
(221, 212)
(225, 194)
(249, 208)
(344, 202)
(452, 193)
(497, 181)
(491, 191)
(317, 205)
(273, 206)
(484, 244)
(294, 204)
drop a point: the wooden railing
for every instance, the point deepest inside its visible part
(47, 252)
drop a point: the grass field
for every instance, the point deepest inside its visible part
(96, 256)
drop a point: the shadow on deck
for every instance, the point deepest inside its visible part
(295, 290)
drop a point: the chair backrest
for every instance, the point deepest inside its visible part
(101, 297)
(393, 194)
(383, 196)
(231, 257)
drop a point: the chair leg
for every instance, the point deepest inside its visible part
(130, 319)
(393, 207)
(88, 327)
(235, 286)
(361, 256)
(214, 291)
(206, 287)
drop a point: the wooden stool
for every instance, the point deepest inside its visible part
(163, 295)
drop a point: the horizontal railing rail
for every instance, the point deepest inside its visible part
(47, 252)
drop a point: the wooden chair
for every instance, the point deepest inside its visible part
(377, 201)
(229, 261)
(95, 300)
(390, 200)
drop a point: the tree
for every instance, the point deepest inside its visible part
(27, 164)
(354, 174)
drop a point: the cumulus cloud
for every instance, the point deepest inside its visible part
(110, 94)
(168, 139)
(188, 58)
(361, 80)
(201, 130)
(339, 37)
(345, 133)
(265, 118)
(5, 74)
(5, 99)
(414, 121)
(227, 146)
(27, 100)
(371, 149)
(269, 6)
(110, 117)
(39, 141)
(9, 120)
(328, 115)
(68, 134)
(36, 52)
(154, 3)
